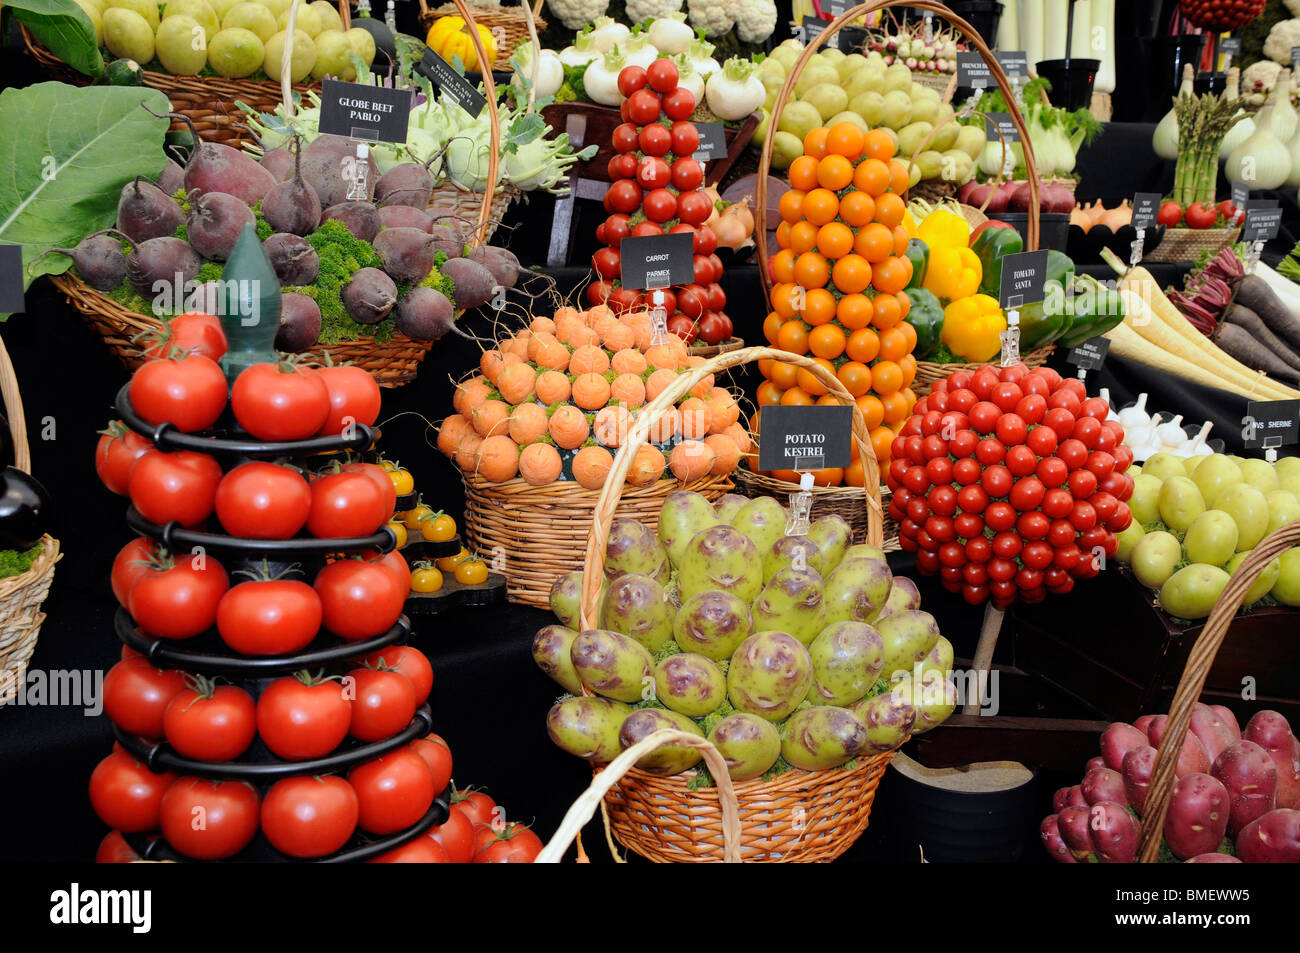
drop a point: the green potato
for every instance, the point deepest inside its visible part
(712, 623)
(128, 35)
(898, 78)
(304, 58)
(1290, 482)
(587, 727)
(849, 116)
(333, 57)
(749, 744)
(1180, 502)
(307, 20)
(971, 140)
(552, 648)
(827, 98)
(566, 594)
(253, 17)
(1191, 464)
(858, 589)
(889, 719)
(1287, 467)
(1283, 508)
(636, 606)
(1259, 474)
(1163, 466)
(683, 516)
(176, 42)
(1263, 583)
(95, 14)
(791, 552)
(940, 658)
(1144, 504)
(769, 675)
(363, 43)
(237, 52)
(669, 759)
(847, 658)
(199, 10)
(721, 558)
(870, 105)
(1212, 538)
(824, 737)
(815, 74)
(328, 14)
(1214, 474)
(786, 147)
(763, 520)
(934, 698)
(908, 636)
(1127, 540)
(831, 55)
(1248, 507)
(147, 9)
(690, 684)
(632, 547)
(832, 535)
(1287, 588)
(1191, 592)
(728, 505)
(612, 665)
(850, 66)
(912, 136)
(903, 594)
(898, 110)
(772, 67)
(1154, 558)
(792, 602)
(799, 119)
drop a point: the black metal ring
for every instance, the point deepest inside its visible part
(178, 539)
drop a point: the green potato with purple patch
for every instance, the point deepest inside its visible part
(713, 623)
(847, 658)
(721, 558)
(909, 636)
(903, 594)
(683, 516)
(669, 759)
(636, 606)
(858, 588)
(769, 675)
(792, 602)
(690, 684)
(551, 651)
(612, 665)
(762, 520)
(940, 658)
(749, 744)
(728, 505)
(934, 698)
(791, 552)
(822, 737)
(566, 594)
(587, 726)
(832, 535)
(889, 719)
(633, 549)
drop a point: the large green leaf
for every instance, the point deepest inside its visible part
(65, 154)
(64, 29)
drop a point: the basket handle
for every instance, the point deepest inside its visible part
(13, 403)
(607, 504)
(345, 15)
(584, 808)
(1199, 662)
(958, 24)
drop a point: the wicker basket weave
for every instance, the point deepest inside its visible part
(21, 596)
(1183, 245)
(509, 25)
(847, 502)
(800, 815)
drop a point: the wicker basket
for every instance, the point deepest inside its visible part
(1199, 662)
(1186, 245)
(713, 350)
(799, 816)
(465, 206)
(945, 84)
(21, 596)
(848, 502)
(508, 25)
(927, 372)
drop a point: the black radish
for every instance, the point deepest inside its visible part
(145, 211)
(215, 167)
(292, 206)
(369, 296)
(360, 218)
(299, 323)
(294, 260)
(407, 253)
(1253, 292)
(1254, 325)
(215, 221)
(1238, 343)
(98, 258)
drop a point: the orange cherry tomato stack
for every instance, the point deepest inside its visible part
(838, 280)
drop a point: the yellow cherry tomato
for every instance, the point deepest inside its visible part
(449, 563)
(403, 482)
(399, 531)
(415, 515)
(425, 578)
(438, 528)
(471, 572)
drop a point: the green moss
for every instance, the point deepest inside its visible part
(14, 563)
(210, 271)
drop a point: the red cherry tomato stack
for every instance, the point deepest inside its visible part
(233, 600)
(656, 189)
(1010, 484)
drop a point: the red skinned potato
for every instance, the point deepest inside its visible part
(1117, 740)
(1115, 832)
(1213, 859)
(1271, 839)
(1137, 768)
(1198, 816)
(1097, 762)
(1068, 797)
(1055, 846)
(1216, 728)
(1250, 776)
(1103, 784)
(1193, 759)
(1073, 825)
(1143, 724)
(1269, 730)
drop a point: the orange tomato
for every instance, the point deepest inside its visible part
(857, 208)
(765, 367)
(814, 144)
(803, 174)
(874, 242)
(878, 144)
(904, 303)
(795, 397)
(891, 276)
(811, 270)
(908, 367)
(811, 385)
(896, 409)
(768, 393)
(834, 172)
(791, 204)
(845, 139)
(828, 400)
(826, 341)
(889, 212)
(886, 378)
(782, 266)
(909, 334)
(835, 240)
(888, 312)
(882, 438)
(784, 375)
(803, 237)
(863, 346)
(783, 234)
(873, 412)
(793, 337)
(771, 327)
(854, 475)
(893, 344)
(832, 476)
(854, 311)
(899, 178)
(819, 307)
(852, 274)
(784, 298)
(872, 177)
(900, 240)
(855, 376)
(820, 206)
(911, 399)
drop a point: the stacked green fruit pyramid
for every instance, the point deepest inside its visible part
(785, 651)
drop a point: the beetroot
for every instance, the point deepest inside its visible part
(299, 323)
(1215, 858)
(1216, 727)
(1116, 741)
(215, 222)
(294, 259)
(292, 206)
(161, 260)
(1103, 784)
(1050, 832)
(447, 241)
(1250, 776)
(407, 253)
(1271, 839)
(406, 184)
(1193, 759)
(1269, 730)
(424, 314)
(323, 165)
(369, 296)
(403, 216)
(1198, 816)
(215, 167)
(145, 211)
(360, 218)
(279, 162)
(1137, 768)
(172, 178)
(501, 262)
(98, 258)
(473, 284)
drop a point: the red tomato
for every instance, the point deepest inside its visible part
(456, 836)
(693, 208)
(128, 565)
(114, 849)
(623, 196)
(679, 104)
(643, 109)
(652, 172)
(1057, 503)
(359, 599)
(1041, 440)
(379, 477)
(396, 565)
(1201, 215)
(189, 392)
(437, 756)
(1033, 525)
(308, 817)
(477, 806)
(298, 720)
(346, 504)
(1011, 430)
(623, 300)
(630, 79)
(1073, 452)
(353, 399)
(621, 166)
(411, 662)
(230, 812)
(269, 616)
(714, 328)
(421, 850)
(706, 240)
(617, 229)
(280, 401)
(384, 703)
(624, 139)
(607, 262)
(513, 844)
(685, 138)
(115, 454)
(1027, 494)
(126, 795)
(1060, 420)
(394, 791)
(1053, 471)
(693, 301)
(176, 597)
(260, 500)
(661, 205)
(662, 75)
(687, 174)
(1000, 516)
(179, 486)
(214, 725)
(190, 333)
(683, 327)
(1171, 213)
(1021, 461)
(136, 694)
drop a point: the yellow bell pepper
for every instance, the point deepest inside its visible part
(953, 273)
(449, 37)
(909, 223)
(972, 328)
(943, 228)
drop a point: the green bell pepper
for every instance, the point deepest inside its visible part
(1042, 322)
(1095, 309)
(926, 316)
(918, 253)
(991, 246)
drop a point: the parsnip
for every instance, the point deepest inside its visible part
(1126, 342)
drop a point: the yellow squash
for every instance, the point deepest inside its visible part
(449, 37)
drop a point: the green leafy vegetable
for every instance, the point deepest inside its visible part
(63, 28)
(14, 563)
(66, 153)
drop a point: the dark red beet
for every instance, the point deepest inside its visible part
(299, 323)
(294, 260)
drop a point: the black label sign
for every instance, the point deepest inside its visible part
(11, 279)
(996, 122)
(1271, 423)
(805, 438)
(451, 83)
(1089, 355)
(657, 261)
(713, 141)
(973, 72)
(835, 7)
(849, 39)
(1024, 278)
(1231, 46)
(1240, 195)
(1013, 62)
(368, 113)
(1262, 221)
(1146, 208)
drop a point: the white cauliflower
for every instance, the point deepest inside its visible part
(756, 19)
(1258, 78)
(1284, 35)
(575, 14)
(714, 16)
(1293, 6)
(640, 10)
